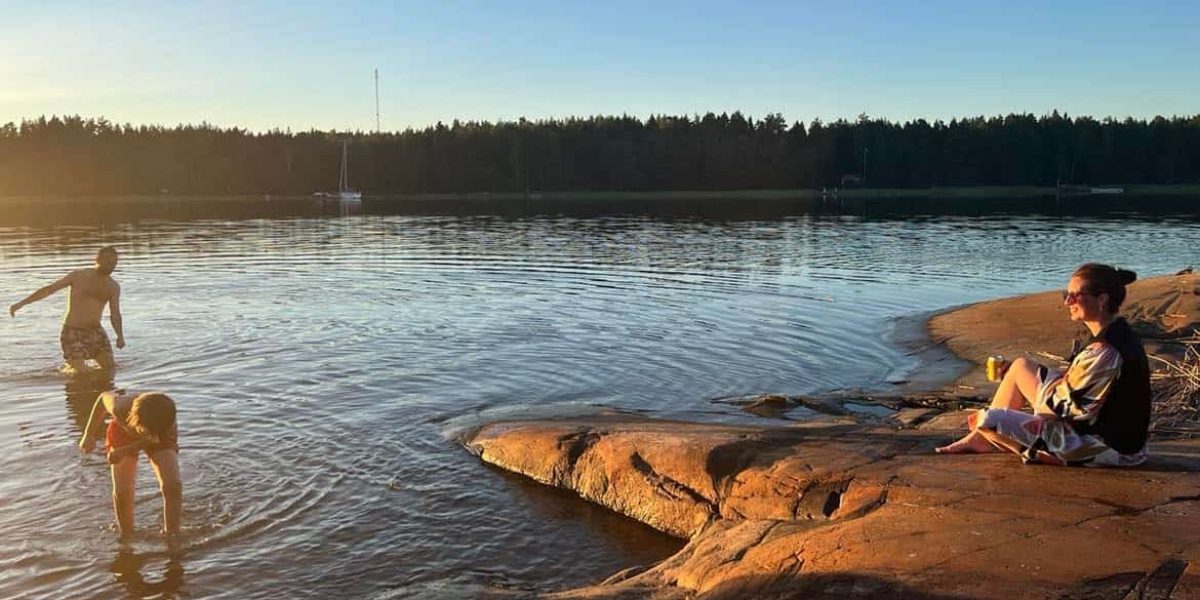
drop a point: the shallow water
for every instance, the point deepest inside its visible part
(324, 361)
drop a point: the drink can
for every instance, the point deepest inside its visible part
(994, 364)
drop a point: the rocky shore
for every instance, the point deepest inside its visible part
(853, 503)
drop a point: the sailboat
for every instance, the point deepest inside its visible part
(345, 194)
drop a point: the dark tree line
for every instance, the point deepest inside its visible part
(73, 155)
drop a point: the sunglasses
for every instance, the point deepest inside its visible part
(1073, 297)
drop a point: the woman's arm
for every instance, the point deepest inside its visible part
(1087, 383)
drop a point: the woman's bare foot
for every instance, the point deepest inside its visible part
(972, 443)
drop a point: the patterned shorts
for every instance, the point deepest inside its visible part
(82, 343)
(1048, 379)
(1038, 434)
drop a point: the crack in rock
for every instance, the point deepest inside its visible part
(1122, 510)
(576, 445)
(1159, 584)
(669, 487)
(741, 552)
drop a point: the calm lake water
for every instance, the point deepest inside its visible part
(324, 360)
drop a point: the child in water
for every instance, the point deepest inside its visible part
(142, 423)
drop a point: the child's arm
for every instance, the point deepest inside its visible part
(87, 442)
(106, 404)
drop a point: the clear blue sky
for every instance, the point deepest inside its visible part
(301, 64)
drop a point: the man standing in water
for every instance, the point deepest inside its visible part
(82, 336)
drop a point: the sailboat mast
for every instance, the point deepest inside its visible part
(344, 177)
(376, 100)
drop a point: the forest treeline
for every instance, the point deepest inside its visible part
(75, 155)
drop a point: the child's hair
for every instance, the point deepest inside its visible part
(153, 412)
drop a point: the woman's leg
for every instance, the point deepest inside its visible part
(1017, 388)
(1015, 431)
(166, 467)
(1019, 385)
(994, 438)
(124, 480)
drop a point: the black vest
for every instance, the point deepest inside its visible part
(1124, 419)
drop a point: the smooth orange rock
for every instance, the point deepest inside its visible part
(854, 510)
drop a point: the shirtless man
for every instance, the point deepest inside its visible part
(82, 336)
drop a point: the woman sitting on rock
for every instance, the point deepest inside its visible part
(1097, 412)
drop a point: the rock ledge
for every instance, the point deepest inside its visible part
(855, 510)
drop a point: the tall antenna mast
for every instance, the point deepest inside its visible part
(376, 100)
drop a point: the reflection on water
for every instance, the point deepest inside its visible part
(323, 363)
(81, 393)
(143, 577)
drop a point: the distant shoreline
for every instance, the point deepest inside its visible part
(949, 193)
(804, 194)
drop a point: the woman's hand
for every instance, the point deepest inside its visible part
(1002, 368)
(87, 443)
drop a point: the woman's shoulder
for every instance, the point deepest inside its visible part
(1098, 351)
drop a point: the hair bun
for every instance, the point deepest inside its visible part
(1127, 277)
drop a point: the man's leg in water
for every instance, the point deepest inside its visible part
(79, 345)
(1018, 387)
(74, 350)
(101, 349)
(76, 366)
(106, 361)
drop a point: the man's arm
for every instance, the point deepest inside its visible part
(42, 293)
(114, 316)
